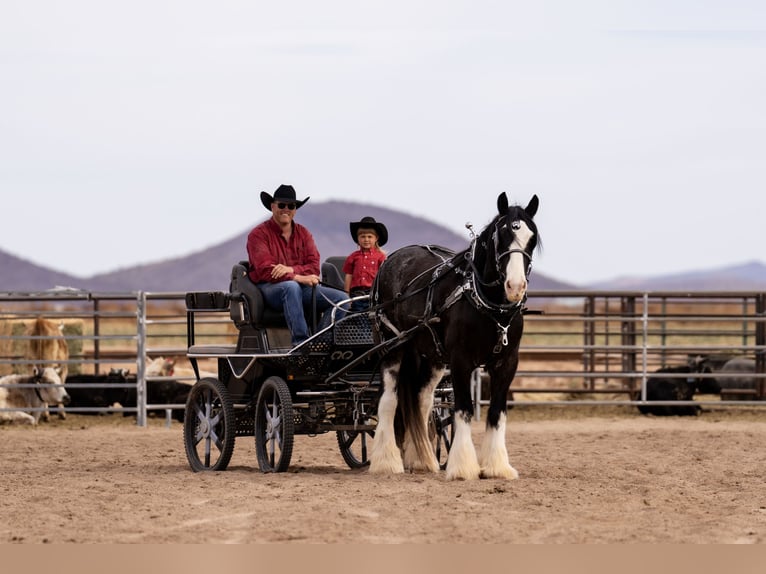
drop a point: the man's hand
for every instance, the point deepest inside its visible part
(279, 270)
(311, 280)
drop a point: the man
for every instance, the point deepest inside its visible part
(284, 263)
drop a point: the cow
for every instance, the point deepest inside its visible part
(747, 384)
(48, 346)
(102, 391)
(160, 367)
(660, 388)
(49, 391)
(105, 393)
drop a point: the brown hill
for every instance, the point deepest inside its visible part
(17, 274)
(209, 269)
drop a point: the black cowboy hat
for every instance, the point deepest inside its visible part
(284, 193)
(368, 222)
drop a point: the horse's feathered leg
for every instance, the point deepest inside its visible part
(462, 463)
(418, 450)
(385, 457)
(493, 455)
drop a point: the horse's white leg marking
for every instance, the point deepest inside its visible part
(385, 457)
(462, 462)
(516, 270)
(426, 403)
(494, 455)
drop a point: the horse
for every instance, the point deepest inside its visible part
(436, 308)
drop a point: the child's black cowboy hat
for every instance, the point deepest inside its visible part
(284, 193)
(369, 223)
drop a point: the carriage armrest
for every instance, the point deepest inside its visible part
(207, 301)
(247, 304)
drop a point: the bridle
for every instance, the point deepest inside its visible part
(500, 269)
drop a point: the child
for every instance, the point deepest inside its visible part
(363, 264)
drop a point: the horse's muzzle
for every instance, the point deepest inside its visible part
(515, 291)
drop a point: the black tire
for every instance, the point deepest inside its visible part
(209, 426)
(443, 418)
(354, 447)
(274, 426)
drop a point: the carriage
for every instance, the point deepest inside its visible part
(393, 382)
(267, 389)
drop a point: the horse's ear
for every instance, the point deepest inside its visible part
(502, 204)
(532, 206)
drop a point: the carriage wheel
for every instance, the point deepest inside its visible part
(209, 426)
(274, 426)
(442, 419)
(354, 447)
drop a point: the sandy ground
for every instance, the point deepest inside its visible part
(604, 475)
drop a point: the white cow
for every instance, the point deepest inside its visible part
(51, 350)
(160, 367)
(14, 397)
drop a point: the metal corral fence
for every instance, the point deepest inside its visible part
(104, 332)
(579, 347)
(601, 347)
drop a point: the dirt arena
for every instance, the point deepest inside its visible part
(599, 475)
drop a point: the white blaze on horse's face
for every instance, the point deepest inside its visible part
(516, 269)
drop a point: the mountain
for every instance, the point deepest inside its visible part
(209, 269)
(748, 276)
(17, 274)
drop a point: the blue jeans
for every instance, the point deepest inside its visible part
(292, 298)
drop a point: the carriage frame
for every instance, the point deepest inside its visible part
(269, 390)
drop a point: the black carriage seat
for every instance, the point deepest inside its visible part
(332, 272)
(247, 304)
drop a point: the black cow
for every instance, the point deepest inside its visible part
(679, 389)
(102, 392)
(167, 392)
(102, 395)
(739, 388)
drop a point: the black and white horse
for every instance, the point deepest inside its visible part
(458, 310)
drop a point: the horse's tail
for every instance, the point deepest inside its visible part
(413, 370)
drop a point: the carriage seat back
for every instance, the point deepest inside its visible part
(247, 306)
(332, 271)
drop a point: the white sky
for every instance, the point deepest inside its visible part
(134, 131)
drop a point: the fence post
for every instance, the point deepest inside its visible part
(760, 341)
(645, 343)
(141, 359)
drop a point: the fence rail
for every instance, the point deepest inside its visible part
(584, 347)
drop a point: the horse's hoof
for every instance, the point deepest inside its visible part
(463, 477)
(386, 468)
(508, 473)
